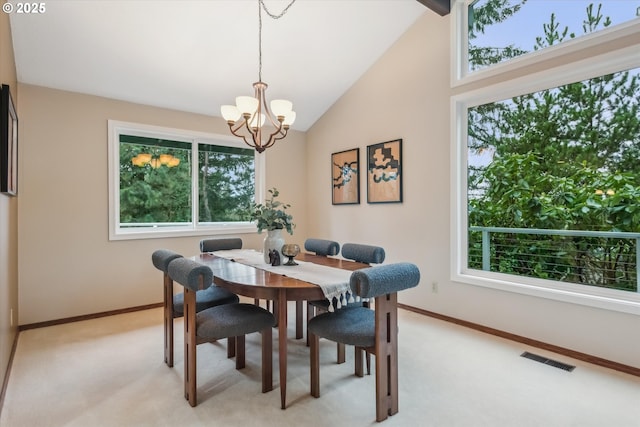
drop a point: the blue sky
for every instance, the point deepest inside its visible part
(525, 25)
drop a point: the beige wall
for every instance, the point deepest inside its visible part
(407, 95)
(8, 219)
(67, 265)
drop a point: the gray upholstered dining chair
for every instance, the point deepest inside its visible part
(222, 244)
(231, 321)
(366, 254)
(174, 304)
(320, 247)
(374, 331)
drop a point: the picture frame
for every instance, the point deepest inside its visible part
(384, 172)
(8, 143)
(345, 177)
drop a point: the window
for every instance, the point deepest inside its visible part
(547, 178)
(494, 32)
(156, 174)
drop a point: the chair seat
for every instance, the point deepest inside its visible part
(232, 320)
(351, 326)
(210, 297)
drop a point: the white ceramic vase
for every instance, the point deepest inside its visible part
(273, 240)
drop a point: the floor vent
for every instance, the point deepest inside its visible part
(547, 361)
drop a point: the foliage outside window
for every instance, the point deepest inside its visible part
(552, 176)
(154, 193)
(226, 177)
(156, 174)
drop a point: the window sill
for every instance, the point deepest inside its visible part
(187, 231)
(607, 299)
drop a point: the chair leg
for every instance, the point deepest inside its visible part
(341, 356)
(358, 361)
(231, 347)
(367, 356)
(386, 351)
(299, 315)
(311, 312)
(190, 347)
(314, 352)
(275, 312)
(382, 387)
(267, 360)
(168, 320)
(267, 303)
(240, 352)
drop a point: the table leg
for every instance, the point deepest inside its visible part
(299, 313)
(282, 345)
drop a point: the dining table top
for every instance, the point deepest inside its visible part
(257, 283)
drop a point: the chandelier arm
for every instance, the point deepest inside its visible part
(273, 137)
(252, 132)
(256, 134)
(275, 122)
(239, 135)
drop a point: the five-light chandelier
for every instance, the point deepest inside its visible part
(248, 118)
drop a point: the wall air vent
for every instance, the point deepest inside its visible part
(548, 361)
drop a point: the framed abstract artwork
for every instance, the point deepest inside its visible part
(384, 172)
(8, 144)
(345, 177)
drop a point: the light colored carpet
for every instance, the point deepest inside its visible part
(110, 372)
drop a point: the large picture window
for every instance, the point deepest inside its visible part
(167, 182)
(547, 173)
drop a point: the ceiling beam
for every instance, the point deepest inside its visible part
(441, 7)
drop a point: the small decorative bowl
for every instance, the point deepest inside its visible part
(290, 250)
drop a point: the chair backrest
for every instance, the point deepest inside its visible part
(322, 247)
(363, 253)
(162, 257)
(212, 245)
(190, 274)
(384, 279)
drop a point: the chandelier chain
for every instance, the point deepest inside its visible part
(261, 6)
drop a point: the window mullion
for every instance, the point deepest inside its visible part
(195, 185)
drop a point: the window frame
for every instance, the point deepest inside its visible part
(618, 60)
(195, 228)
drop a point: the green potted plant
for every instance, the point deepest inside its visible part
(273, 217)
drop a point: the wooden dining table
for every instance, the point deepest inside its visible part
(256, 283)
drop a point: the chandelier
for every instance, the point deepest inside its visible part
(251, 119)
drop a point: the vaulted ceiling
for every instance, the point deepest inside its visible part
(194, 56)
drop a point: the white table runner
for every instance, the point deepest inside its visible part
(334, 282)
